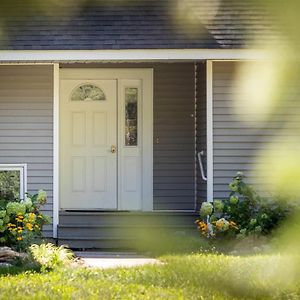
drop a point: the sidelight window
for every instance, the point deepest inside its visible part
(131, 116)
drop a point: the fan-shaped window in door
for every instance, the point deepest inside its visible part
(87, 92)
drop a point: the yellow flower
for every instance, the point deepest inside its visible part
(19, 238)
(233, 225)
(31, 216)
(29, 226)
(202, 226)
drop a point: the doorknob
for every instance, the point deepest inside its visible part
(113, 149)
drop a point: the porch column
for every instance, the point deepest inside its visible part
(209, 128)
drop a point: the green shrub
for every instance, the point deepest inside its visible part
(21, 222)
(50, 256)
(242, 214)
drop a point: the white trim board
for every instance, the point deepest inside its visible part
(25, 63)
(130, 55)
(209, 129)
(55, 149)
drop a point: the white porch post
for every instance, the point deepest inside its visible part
(55, 148)
(209, 128)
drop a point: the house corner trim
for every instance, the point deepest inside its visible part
(55, 148)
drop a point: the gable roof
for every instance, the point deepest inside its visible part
(165, 24)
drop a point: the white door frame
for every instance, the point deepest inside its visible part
(146, 76)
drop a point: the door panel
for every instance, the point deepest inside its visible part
(99, 174)
(88, 129)
(78, 128)
(78, 174)
(100, 122)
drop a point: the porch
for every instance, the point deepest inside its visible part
(182, 126)
(176, 186)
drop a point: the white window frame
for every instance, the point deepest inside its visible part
(22, 168)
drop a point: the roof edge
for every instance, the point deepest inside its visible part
(140, 55)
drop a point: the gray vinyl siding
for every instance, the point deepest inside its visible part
(173, 156)
(174, 162)
(26, 125)
(201, 130)
(234, 144)
(237, 144)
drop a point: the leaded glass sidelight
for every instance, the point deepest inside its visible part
(87, 92)
(131, 116)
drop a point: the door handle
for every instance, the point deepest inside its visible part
(113, 149)
(200, 154)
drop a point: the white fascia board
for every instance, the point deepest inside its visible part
(129, 55)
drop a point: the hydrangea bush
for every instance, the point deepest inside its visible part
(21, 222)
(242, 214)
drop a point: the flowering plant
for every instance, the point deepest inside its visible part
(21, 221)
(243, 213)
(214, 224)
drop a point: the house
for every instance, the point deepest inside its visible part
(110, 106)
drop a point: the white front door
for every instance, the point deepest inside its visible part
(88, 144)
(106, 141)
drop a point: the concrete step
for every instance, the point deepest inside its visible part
(126, 218)
(123, 230)
(126, 231)
(109, 243)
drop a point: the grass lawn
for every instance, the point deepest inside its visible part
(196, 276)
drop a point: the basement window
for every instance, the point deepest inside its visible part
(13, 181)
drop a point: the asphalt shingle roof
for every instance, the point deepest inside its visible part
(141, 24)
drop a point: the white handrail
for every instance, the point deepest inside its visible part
(201, 165)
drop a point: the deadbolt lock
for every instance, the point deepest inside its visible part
(113, 149)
